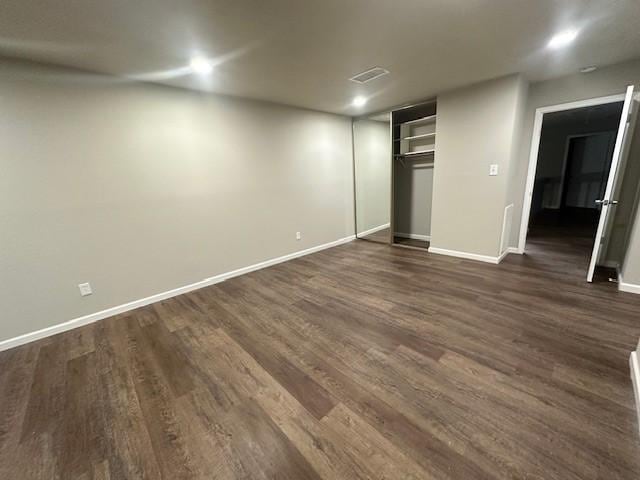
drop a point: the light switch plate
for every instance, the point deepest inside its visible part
(493, 170)
(85, 289)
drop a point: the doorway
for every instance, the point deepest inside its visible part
(577, 156)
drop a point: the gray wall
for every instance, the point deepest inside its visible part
(413, 196)
(631, 266)
(476, 127)
(372, 157)
(140, 189)
(624, 246)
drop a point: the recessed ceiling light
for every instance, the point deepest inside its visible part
(359, 101)
(201, 66)
(563, 39)
(589, 69)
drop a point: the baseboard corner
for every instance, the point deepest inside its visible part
(627, 287)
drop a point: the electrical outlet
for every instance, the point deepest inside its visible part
(85, 289)
(493, 170)
(298, 235)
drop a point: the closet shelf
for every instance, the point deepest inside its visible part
(416, 137)
(430, 118)
(419, 152)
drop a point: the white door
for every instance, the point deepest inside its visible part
(610, 199)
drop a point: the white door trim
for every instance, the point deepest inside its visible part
(535, 147)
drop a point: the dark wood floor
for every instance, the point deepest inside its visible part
(411, 242)
(363, 361)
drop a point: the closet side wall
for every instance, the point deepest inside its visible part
(414, 193)
(624, 246)
(513, 193)
(475, 129)
(631, 265)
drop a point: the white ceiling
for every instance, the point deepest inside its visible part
(302, 52)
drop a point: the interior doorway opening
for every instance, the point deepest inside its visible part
(574, 160)
(578, 160)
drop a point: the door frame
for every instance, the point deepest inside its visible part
(535, 149)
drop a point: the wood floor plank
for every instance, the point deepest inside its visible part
(156, 402)
(80, 443)
(386, 460)
(47, 396)
(358, 362)
(315, 398)
(246, 416)
(128, 445)
(172, 361)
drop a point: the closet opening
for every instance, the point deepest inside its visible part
(579, 169)
(414, 155)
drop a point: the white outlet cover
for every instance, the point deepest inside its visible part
(493, 169)
(298, 236)
(85, 289)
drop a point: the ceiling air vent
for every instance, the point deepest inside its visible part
(369, 75)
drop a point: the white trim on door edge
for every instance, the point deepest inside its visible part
(535, 148)
(109, 312)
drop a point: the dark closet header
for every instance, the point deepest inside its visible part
(414, 113)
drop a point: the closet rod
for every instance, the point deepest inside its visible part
(415, 154)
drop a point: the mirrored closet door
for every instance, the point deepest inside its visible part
(372, 161)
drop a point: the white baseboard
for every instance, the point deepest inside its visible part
(413, 236)
(469, 256)
(515, 250)
(627, 287)
(635, 379)
(374, 230)
(109, 312)
(502, 255)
